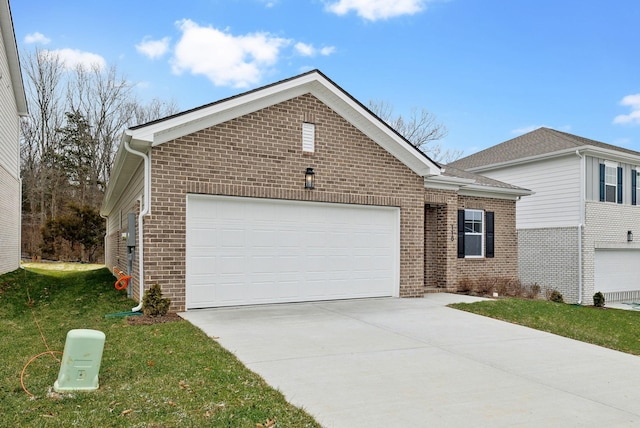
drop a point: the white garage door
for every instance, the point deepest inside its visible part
(617, 270)
(243, 251)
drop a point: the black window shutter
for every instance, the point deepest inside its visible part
(490, 238)
(619, 185)
(601, 182)
(634, 185)
(461, 234)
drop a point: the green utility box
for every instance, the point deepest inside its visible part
(80, 361)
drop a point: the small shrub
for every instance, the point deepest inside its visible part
(485, 285)
(465, 285)
(556, 296)
(153, 304)
(533, 291)
(598, 300)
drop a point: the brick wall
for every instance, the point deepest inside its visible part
(505, 261)
(549, 257)
(442, 267)
(260, 155)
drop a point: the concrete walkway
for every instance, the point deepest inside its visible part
(416, 363)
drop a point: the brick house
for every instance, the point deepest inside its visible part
(13, 105)
(575, 234)
(297, 192)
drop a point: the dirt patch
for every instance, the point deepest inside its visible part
(146, 320)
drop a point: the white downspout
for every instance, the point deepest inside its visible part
(144, 210)
(581, 224)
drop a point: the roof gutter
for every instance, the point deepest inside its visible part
(144, 210)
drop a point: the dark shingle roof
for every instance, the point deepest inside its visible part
(538, 142)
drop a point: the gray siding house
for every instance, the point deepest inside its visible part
(13, 104)
(576, 233)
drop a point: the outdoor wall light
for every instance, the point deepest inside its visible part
(629, 236)
(309, 179)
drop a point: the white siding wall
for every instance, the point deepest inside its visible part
(556, 182)
(117, 219)
(9, 171)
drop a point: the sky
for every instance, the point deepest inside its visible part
(489, 70)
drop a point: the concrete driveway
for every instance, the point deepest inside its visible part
(414, 362)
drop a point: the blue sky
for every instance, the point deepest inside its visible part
(488, 69)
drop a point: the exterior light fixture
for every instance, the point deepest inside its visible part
(629, 236)
(309, 179)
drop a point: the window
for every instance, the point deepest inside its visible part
(475, 233)
(610, 183)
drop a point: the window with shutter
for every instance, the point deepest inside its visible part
(610, 182)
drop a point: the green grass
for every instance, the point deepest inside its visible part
(161, 375)
(612, 328)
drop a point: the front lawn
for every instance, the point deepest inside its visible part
(612, 328)
(158, 375)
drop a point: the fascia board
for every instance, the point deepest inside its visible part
(494, 192)
(612, 155)
(13, 59)
(124, 166)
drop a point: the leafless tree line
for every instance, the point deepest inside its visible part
(421, 128)
(75, 123)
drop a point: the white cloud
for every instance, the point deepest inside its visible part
(374, 10)
(224, 58)
(633, 118)
(153, 48)
(327, 50)
(36, 38)
(72, 58)
(305, 49)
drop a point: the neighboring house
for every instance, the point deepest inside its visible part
(296, 192)
(13, 104)
(575, 233)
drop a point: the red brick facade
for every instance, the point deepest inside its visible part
(260, 155)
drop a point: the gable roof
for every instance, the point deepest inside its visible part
(543, 142)
(144, 137)
(11, 50)
(314, 82)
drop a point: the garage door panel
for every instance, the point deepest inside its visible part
(617, 270)
(248, 251)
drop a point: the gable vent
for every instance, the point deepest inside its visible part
(308, 137)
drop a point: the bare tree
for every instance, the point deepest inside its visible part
(155, 109)
(70, 139)
(422, 129)
(44, 73)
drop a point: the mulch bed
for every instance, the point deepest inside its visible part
(146, 320)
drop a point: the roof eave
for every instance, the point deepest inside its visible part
(11, 49)
(613, 155)
(124, 166)
(469, 187)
